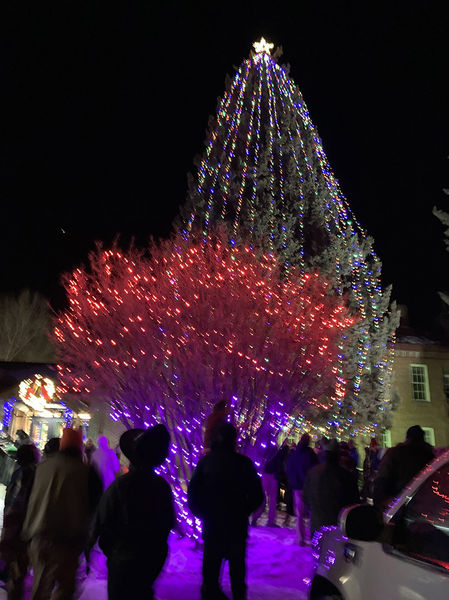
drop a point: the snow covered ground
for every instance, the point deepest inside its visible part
(277, 568)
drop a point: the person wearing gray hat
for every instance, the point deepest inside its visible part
(328, 488)
(135, 516)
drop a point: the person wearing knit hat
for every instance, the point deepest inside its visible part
(62, 503)
(71, 438)
(135, 516)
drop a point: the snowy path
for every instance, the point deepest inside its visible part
(278, 569)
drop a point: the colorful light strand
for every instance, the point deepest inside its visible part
(285, 196)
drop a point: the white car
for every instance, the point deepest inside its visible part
(404, 558)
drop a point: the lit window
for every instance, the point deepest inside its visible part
(386, 438)
(429, 435)
(420, 383)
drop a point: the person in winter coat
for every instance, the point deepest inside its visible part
(13, 549)
(298, 465)
(353, 452)
(63, 499)
(105, 461)
(135, 516)
(271, 476)
(400, 464)
(284, 483)
(328, 488)
(224, 490)
(218, 416)
(370, 467)
(346, 458)
(22, 439)
(89, 449)
(51, 447)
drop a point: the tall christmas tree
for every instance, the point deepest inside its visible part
(265, 176)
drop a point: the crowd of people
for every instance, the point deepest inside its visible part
(77, 495)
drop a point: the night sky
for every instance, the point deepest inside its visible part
(105, 105)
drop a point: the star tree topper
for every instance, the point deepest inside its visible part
(263, 46)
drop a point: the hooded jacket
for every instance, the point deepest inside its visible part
(105, 461)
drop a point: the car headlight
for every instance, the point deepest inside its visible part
(350, 552)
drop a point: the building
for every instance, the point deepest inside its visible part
(28, 392)
(421, 384)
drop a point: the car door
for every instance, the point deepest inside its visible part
(414, 564)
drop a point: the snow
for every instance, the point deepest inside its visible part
(277, 568)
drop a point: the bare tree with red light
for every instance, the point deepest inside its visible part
(163, 335)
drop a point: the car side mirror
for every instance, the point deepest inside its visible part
(361, 522)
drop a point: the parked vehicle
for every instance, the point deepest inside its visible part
(402, 554)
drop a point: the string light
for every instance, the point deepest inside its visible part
(266, 144)
(164, 336)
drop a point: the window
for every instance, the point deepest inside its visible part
(446, 385)
(386, 438)
(422, 526)
(420, 383)
(429, 435)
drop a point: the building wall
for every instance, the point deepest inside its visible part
(102, 424)
(433, 414)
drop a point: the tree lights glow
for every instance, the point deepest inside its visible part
(263, 46)
(163, 336)
(264, 174)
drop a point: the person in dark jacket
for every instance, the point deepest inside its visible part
(299, 463)
(22, 439)
(224, 490)
(400, 464)
(328, 488)
(135, 516)
(370, 467)
(353, 452)
(51, 447)
(271, 477)
(218, 416)
(89, 449)
(12, 549)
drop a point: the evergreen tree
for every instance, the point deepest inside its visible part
(264, 174)
(444, 218)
